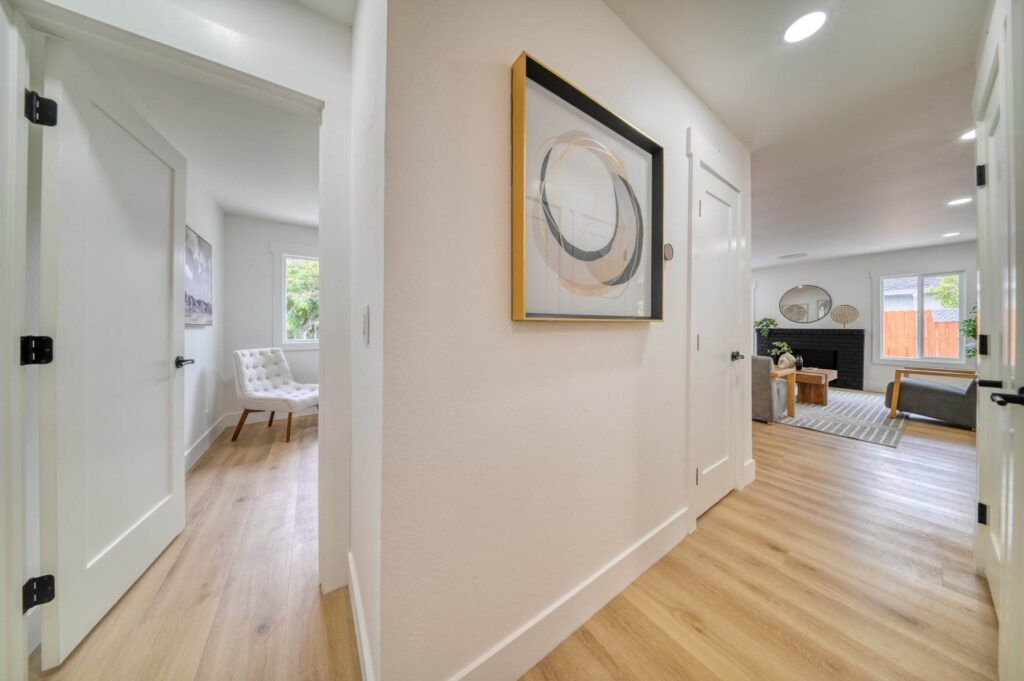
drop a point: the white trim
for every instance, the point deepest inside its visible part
(519, 651)
(280, 252)
(202, 445)
(355, 599)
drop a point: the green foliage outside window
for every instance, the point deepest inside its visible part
(947, 291)
(302, 298)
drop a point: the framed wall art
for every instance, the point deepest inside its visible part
(587, 195)
(198, 280)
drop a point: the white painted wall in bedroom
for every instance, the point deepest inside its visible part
(853, 281)
(251, 268)
(519, 459)
(208, 381)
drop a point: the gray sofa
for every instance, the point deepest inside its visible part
(950, 403)
(769, 396)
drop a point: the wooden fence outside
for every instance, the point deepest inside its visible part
(941, 339)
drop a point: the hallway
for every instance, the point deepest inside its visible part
(843, 560)
(815, 571)
(235, 596)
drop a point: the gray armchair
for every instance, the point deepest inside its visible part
(769, 395)
(956, 405)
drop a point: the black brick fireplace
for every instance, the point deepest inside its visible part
(839, 349)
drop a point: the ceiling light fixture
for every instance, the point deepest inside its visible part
(949, 235)
(969, 135)
(790, 256)
(960, 202)
(804, 27)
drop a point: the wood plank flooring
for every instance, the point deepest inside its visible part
(235, 596)
(843, 560)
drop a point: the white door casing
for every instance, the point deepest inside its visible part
(111, 428)
(717, 288)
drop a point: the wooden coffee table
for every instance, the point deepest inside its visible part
(812, 385)
(790, 376)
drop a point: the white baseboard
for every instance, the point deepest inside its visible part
(747, 473)
(525, 647)
(355, 597)
(196, 451)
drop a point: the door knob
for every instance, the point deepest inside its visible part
(1003, 399)
(735, 356)
(180, 361)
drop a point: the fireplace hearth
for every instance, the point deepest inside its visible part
(839, 349)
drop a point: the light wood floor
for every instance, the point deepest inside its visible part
(843, 560)
(235, 596)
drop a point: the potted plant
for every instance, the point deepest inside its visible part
(969, 328)
(780, 348)
(764, 326)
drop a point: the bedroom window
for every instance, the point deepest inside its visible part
(300, 309)
(921, 317)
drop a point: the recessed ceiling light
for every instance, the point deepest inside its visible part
(960, 202)
(790, 256)
(804, 27)
(969, 135)
(949, 235)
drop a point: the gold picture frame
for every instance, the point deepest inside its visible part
(526, 69)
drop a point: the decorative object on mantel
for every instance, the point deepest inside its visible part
(587, 206)
(764, 326)
(805, 304)
(844, 314)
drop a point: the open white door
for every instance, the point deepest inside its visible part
(111, 433)
(999, 110)
(716, 362)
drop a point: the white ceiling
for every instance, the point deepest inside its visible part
(342, 11)
(254, 158)
(853, 131)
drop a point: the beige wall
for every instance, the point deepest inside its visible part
(518, 459)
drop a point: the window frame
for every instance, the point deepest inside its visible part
(882, 358)
(281, 254)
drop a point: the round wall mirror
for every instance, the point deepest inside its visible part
(805, 304)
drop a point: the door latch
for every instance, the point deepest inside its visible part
(736, 356)
(1003, 399)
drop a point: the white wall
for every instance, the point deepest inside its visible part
(369, 57)
(853, 281)
(209, 380)
(251, 268)
(520, 459)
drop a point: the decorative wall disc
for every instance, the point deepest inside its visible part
(844, 314)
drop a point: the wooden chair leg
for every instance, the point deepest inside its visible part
(894, 405)
(270, 422)
(241, 422)
(288, 435)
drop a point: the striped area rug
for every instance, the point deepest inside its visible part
(853, 414)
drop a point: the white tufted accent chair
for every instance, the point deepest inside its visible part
(264, 382)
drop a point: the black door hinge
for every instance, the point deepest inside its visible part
(39, 109)
(980, 175)
(982, 513)
(36, 349)
(37, 591)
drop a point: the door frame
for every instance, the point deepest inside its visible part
(13, 195)
(702, 154)
(281, 80)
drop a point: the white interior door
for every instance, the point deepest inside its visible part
(111, 432)
(995, 321)
(714, 310)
